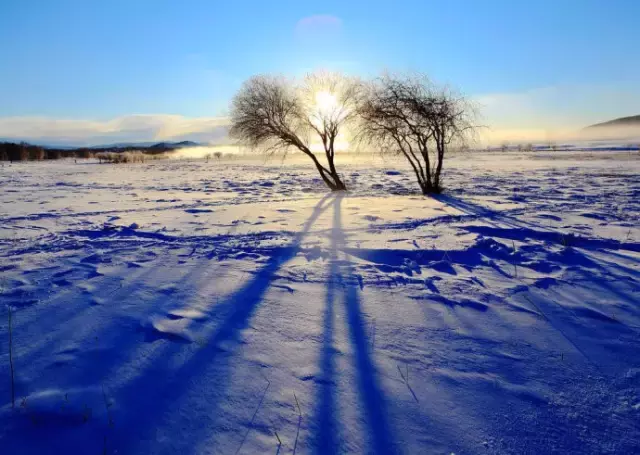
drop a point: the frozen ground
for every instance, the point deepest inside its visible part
(184, 307)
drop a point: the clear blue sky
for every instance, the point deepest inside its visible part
(82, 59)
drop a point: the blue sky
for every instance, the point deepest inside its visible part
(102, 65)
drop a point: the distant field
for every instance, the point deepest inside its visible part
(177, 306)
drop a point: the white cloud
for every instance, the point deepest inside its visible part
(539, 115)
(130, 128)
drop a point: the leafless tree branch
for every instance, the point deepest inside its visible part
(277, 115)
(412, 116)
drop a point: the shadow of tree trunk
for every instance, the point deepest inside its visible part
(371, 396)
(159, 393)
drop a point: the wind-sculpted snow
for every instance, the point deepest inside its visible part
(236, 307)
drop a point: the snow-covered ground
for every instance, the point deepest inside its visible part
(184, 307)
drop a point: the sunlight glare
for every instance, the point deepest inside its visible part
(339, 146)
(327, 106)
(326, 102)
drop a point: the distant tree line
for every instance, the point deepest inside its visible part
(22, 151)
(10, 151)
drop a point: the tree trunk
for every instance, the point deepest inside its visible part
(335, 184)
(327, 180)
(339, 184)
(436, 178)
(330, 153)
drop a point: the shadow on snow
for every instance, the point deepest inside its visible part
(341, 281)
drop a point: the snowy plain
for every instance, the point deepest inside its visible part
(234, 306)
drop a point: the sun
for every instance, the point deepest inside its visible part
(328, 108)
(326, 102)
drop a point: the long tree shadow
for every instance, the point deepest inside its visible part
(158, 396)
(148, 393)
(327, 437)
(71, 321)
(470, 208)
(582, 255)
(371, 396)
(520, 230)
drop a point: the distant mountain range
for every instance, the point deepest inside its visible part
(625, 129)
(151, 145)
(633, 121)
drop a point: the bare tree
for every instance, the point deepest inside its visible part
(411, 116)
(24, 151)
(278, 115)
